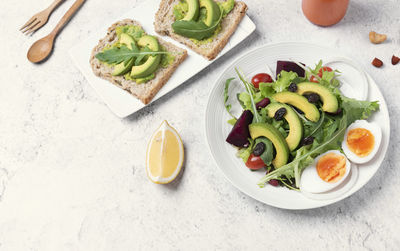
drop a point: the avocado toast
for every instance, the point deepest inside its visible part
(143, 77)
(221, 17)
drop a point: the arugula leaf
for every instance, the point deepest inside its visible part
(226, 97)
(306, 154)
(197, 30)
(250, 90)
(117, 55)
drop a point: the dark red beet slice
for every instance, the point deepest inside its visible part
(289, 66)
(240, 132)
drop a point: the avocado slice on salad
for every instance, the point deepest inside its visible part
(295, 126)
(193, 10)
(329, 100)
(271, 133)
(152, 62)
(213, 11)
(310, 110)
(122, 68)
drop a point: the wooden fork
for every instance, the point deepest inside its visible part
(39, 19)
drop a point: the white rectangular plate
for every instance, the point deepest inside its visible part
(121, 102)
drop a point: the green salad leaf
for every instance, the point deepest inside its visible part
(268, 155)
(267, 89)
(250, 91)
(197, 30)
(284, 80)
(357, 109)
(244, 153)
(226, 97)
(116, 55)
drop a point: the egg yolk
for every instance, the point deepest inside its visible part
(360, 141)
(331, 167)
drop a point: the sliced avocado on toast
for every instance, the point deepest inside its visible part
(151, 63)
(122, 68)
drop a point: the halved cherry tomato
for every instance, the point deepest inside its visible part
(261, 78)
(255, 162)
(314, 79)
(325, 68)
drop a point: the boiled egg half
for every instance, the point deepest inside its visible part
(361, 141)
(328, 171)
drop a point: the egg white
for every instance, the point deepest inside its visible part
(312, 183)
(375, 129)
(338, 191)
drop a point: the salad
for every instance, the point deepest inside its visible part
(300, 129)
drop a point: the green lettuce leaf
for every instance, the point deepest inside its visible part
(244, 153)
(357, 109)
(266, 89)
(284, 80)
(226, 97)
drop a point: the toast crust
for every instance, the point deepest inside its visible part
(165, 17)
(145, 91)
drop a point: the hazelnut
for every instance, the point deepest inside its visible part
(395, 60)
(377, 62)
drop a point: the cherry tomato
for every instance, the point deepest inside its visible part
(325, 68)
(255, 162)
(261, 78)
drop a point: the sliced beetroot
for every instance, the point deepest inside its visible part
(289, 66)
(240, 134)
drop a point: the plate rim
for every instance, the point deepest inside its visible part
(321, 203)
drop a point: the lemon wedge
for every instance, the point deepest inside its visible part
(164, 157)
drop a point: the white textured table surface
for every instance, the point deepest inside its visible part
(72, 174)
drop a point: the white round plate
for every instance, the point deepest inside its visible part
(256, 61)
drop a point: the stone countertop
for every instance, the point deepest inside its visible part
(72, 174)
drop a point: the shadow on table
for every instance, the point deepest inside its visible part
(359, 13)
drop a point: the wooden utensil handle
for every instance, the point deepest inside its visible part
(67, 16)
(54, 5)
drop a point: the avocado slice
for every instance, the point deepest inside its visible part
(121, 68)
(193, 10)
(213, 11)
(295, 126)
(152, 62)
(329, 100)
(310, 110)
(271, 133)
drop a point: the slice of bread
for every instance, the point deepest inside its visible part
(144, 91)
(165, 17)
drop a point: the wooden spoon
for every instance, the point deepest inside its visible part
(42, 48)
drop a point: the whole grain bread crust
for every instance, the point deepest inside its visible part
(145, 91)
(165, 17)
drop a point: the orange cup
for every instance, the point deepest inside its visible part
(325, 12)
